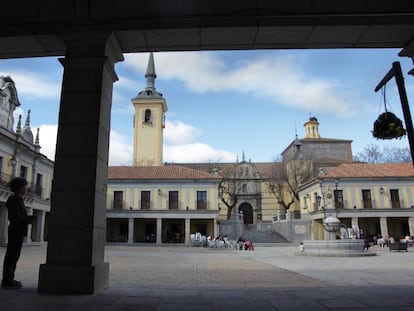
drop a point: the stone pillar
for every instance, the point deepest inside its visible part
(131, 230)
(411, 225)
(187, 231)
(3, 225)
(215, 228)
(40, 226)
(354, 223)
(75, 254)
(384, 226)
(159, 231)
(28, 238)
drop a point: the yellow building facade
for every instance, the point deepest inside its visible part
(163, 204)
(378, 198)
(20, 156)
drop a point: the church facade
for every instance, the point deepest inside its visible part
(20, 156)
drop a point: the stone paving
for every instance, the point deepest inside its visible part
(270, 278)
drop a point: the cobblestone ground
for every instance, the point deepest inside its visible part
(270, 278)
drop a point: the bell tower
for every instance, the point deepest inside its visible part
(312, 128)
(149, 122)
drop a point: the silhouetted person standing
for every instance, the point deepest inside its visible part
(18, 221)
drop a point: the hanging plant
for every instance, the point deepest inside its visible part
(388, 125)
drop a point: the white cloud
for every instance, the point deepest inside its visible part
(48, 133)
(33, 84)
(279, 79)
(178, 133)
(120, 150)
(196, 152)
(181, 146)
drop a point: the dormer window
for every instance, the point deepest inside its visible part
(147, 116)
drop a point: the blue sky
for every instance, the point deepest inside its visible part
(221, 103)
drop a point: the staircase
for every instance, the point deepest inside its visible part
(250, 233)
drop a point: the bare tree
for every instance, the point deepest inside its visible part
(285, 179)
(373, 154)
(229, 187)
(396, 155)
(370, 154)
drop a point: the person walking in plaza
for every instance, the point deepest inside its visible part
(18, 221)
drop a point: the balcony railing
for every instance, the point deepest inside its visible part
(32, 189)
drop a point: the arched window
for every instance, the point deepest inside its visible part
(147, 117)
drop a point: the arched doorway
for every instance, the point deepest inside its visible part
(247, 210)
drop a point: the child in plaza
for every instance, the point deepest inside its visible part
(18, 221)
(301, 247)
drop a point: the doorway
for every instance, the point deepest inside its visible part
(247, 210)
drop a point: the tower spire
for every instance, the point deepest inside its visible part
(27, 123)
(37, 140)
(19, 125)
(150, 75)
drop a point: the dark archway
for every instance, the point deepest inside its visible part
(247, 210)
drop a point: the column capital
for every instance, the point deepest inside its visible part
(93, 42)
(93, 45)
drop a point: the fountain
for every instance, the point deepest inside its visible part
(332, 247)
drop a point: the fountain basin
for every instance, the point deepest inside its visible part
(334, 248)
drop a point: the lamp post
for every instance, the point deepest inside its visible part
(395, 72)
(322, 194)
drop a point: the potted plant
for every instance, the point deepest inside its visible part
(388, 126)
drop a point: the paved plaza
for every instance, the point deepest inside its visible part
(270, 278)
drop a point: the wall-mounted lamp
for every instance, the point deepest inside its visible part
(381, 190)
(336, 183)
(12, 161)
(159, 191)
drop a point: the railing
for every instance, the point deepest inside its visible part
(32, 189)
(5, 180)
(35, 189)
(174, 205)
(201, 205)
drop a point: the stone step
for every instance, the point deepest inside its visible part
(251, 233)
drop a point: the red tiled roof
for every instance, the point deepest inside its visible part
(265, 169)
(157, 172)
(365, 170)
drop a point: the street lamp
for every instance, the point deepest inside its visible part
(322, 193)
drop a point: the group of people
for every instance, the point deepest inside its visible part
(385, 241)
(244, 244)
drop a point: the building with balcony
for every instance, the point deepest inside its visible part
(160, 204)
(151, 202)
(378, 198)
(20, 156)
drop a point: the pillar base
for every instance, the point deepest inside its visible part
(65, 279)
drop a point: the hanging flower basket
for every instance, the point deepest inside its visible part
(388, 126)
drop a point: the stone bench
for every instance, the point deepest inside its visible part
(398, 246)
